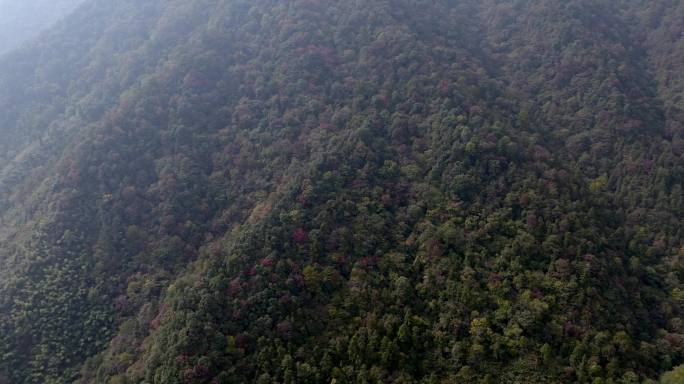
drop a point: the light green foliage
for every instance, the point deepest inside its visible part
(673, 377)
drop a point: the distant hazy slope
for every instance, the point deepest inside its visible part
(21, 20)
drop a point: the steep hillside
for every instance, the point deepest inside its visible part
(313, 191)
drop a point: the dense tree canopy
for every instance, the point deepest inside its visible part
(319, 191)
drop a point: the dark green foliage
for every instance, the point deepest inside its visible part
(344, 192)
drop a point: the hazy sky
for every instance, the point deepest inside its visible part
(21, 20)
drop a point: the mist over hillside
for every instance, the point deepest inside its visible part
(319, 191)
(22, 20)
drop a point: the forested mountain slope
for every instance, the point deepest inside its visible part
(315, 191)
(22, 20)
